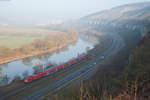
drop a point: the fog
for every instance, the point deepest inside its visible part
(43, 11)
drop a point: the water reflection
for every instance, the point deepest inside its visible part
(27, 61)
(29, 66)
(72, 52)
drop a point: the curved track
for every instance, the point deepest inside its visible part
(84, 73)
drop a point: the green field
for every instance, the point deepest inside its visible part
(15, 41)
(27, 29)
(16, 37)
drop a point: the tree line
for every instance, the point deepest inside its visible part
(38, 45)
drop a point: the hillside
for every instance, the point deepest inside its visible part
(129, 21)
(138, 11)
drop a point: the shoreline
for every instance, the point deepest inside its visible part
(11, 59)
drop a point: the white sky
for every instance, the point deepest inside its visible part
(28, 10)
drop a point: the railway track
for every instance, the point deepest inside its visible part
(11, 94)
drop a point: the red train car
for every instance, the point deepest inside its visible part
(42, 74)
(72, 62)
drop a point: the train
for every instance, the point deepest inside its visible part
(54, 69)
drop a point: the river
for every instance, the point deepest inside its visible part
(22, 69)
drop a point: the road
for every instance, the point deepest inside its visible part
(116, 46)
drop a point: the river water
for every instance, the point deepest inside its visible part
(22, 69)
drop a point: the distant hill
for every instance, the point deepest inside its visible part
(130, 21)
(137, 11)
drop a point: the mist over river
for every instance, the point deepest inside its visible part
(22, 69)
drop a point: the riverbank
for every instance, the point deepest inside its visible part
(35, 53)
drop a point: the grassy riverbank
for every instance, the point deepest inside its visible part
(17, 44)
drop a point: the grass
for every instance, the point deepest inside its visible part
(17, 37)
(26, 29)
(16, 41)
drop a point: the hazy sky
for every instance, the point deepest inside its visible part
(31, 10)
